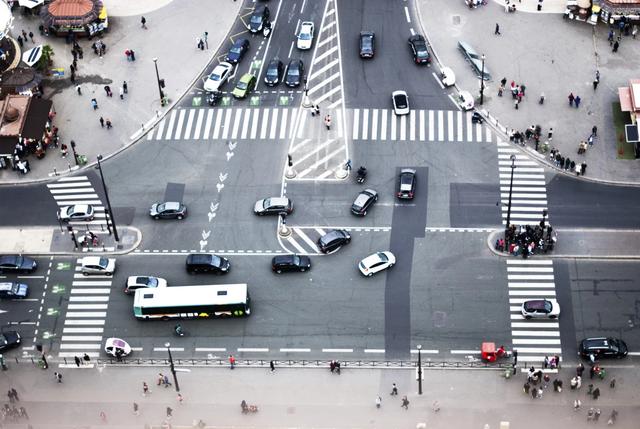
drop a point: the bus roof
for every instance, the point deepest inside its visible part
(190, 295)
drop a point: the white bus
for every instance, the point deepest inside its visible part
(184, 302)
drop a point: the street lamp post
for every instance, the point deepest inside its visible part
(172, 367)
(155, 62)
(506, 231)
(419, 369)
(106, 195)
(73, 148)
(482, 82)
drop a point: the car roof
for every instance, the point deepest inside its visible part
(81, 207)
(278, 201)
(91, 260)
(279, 259)
(536, 304)
(223, 65)
(9, 258)
(172, 205)
(6, 285)
(246, 77)
(367, 33)
(240, 42)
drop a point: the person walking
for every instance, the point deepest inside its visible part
(515, 358)
(577, 404)
(31, 37)
(94, 103)
(577, 101)
(405, 403)
(232, 362)
(166, 381)
(63, 150)
(327, 121)
(526, 388)
(612, 417)
(136, 409)
(109, 126)
(616, 45)
(594, 131)
(583, 168)
(10, 395)
(23, 413)
(378, 401)
(79, 89)
(102, 125)
(180, 398)
(125, 87)
(14, 393)
(160, 379)
(347, 166)
(143, 22)
(596, 393)
(272, 365)
(169, 412)
(497, 31)
(316, 109)
(579, 369)
(121, 93)
(571, 98)
(107, 89)
(103, 416)
(394, 390)
(76, 358)
(20, 41)
(145, 388)
(57, 376)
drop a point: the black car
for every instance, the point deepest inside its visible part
(407, 184)
(602, 347)
(207, 263)
(419, 49)
(9, 340)
(274, 72)
(363, 202)
(367, 44)
(17, 264)
(237, 51)
(259, 16)
(287, 263)
(333, 240)
(295, 72)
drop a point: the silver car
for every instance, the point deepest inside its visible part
(79, 212)
(98, 265)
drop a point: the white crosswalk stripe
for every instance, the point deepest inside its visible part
(85, 315)
(68, 191)
(419, 126)
(529, 191)
(534, 338)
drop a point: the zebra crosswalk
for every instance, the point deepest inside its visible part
(304, 241)
(85, 316)
(536, 338)
(68, 191)
(529, 193)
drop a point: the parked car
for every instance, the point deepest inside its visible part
(98, 265)
(237, 51)
(363, 202)
(258, 18)
(333, 240)
(367, 44)
(13, 290)
(274, 72)
(17, 264)
(400, 101)
(305, 35)
(168, 210)
(377, 262)
(218, 76)
(295, 73)
(287, 263)
(77, 212)
(418, 46)
(602, 347)
(207, 263)
(273, 205)
(244, 86)
(476, 60)
(9, 340)
(540, 308)
(143, 282)
(406, 184)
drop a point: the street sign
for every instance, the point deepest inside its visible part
(631, 133)
(196, 102)
(63, 266)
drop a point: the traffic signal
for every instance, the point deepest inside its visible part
(161, 83)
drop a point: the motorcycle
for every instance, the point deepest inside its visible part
(179, 331)
(213, 97)
(266, 29)
(362, 175)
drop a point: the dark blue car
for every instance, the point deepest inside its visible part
(237, 51)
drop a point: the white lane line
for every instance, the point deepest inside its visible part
(299, 145)
(323, 83)
(356, 123)
(469, 128)
(403, 128)
(450, 135)
(91, 283)
(323, 69)
(302, 123)
(172, 121)
(69, 185)
(81, 338)
(265, 124)
(73, 196)
(412, 125)
(158, 130)
(217, 126)
(164, 349)
(328, 94)
(236, 124)
(532, 285)
(479, 132)
(460, 135)
(178, 133)
(374, 124)
(87, 306)
(529, 269)
(341, 132)
(245, 123)
(464, 352)
(283, 125)
(72, 190)
(529, 262)
(325, 54)
(536, 341)
(431, 123)
(210, 349)
(254, 123)
(320, 162)
(295, 350)
(550, 350)
(226, 128)
(274, 124)
(88, 298)
(295, 244)
(406, 13)
(428, 351)
(73, 179)
(325, 41)
(365, 124)
(187, 131)
(252, 349)
(73, 354)
(530, 277)
(337, 350)
(82, 330)
(535, 333)
(313, 152)
(307, 240)
(86, 314)
(196, 133)
(421, 135)
(394, 125)
(530, 325)
(383, 129)
(440, 125)
(79, 346)
(374, 350)
(90, 291)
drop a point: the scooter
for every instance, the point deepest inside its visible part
(213, 97)
(179, 331)
(362, 175)
(476, 118)
(266, 30)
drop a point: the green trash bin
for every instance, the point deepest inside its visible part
(82, 159)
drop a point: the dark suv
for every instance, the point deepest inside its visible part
(207, 263)
(601, 347)
(333, 240)
(286, 263)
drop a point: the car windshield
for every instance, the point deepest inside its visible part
(149, 281)
(161, 207)
(614, 345)
(236, 49)
(367, 42)
(3, 340)
(383, 257)
(215, 261)
(103, 262)
(293, 71)
(401, 101)
(406, 179)
(241, 85)
(272, 71)
(305, 33)
(214, 76)
(256, 19)
(70, 210)
(422, 52)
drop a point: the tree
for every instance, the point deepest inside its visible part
(45, 60)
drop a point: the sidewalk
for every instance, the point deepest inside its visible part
(547, 54)
(179, 63)
(311, 398)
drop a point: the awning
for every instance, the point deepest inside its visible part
(7, 145)
(37, 118)
(30, 3)
(624, 95)
(32, 56)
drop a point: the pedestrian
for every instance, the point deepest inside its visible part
(63, 150)
(143, 22)
(394, 389)
(592, 371)
(75, 63)
(165, 380)
(596, 415)
(614, 414)
(550, 134)
(101, 121)
(24, 35)
(14, 393)
(76, 358)
(378, 401)
(169, 411)
(107, 89)
(72, 68)
(272, 365)
(555, 385)
(199, 43)
(58, 376)
(583, 168)
(577, 404)
(516, 102)
(497, 31)
(327, 121)
(31, 37)
(232, 362)
(579, 369)
(596, 393)
(136, 410)
(125, 87)
(332, 365)
(20, 42)
(546, 362)
(405, 403)
(133, 55)
(160, 379)
(103, 416)
(590, 414)
(347, 166)
(145, 388)
(534, 393)
(526, 388)
(577, 101)
(94, 103)
(121, 93)
(571, 98)
(10, 395)
(23, 413)
(612, 385)
(616, 45)
(180, 398)
(595, 84)
(72, 78)
(109, 126)
(79, 89)
(594, 131)
(316, 108)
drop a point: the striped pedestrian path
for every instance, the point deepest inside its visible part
(68, 191)
(85, 315)
(535, 338)
(529, 192)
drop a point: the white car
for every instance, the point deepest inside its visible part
(143, 282)
(117, 347)
(540, 308)
(400, 101)
(76, 212)
(377, 262)
(305, 35)
(218, 76)
(466, 100)
(98, 265)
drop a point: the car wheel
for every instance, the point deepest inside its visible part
(364, 213)
(109, 274)
(391, 265)
(85, 274)
(156, 217)
(553, 317)
(180, 217)
(369, 275)
(527, 317)
(279, 271)
(302, 270)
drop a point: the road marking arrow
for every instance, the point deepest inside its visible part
(223, 177)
